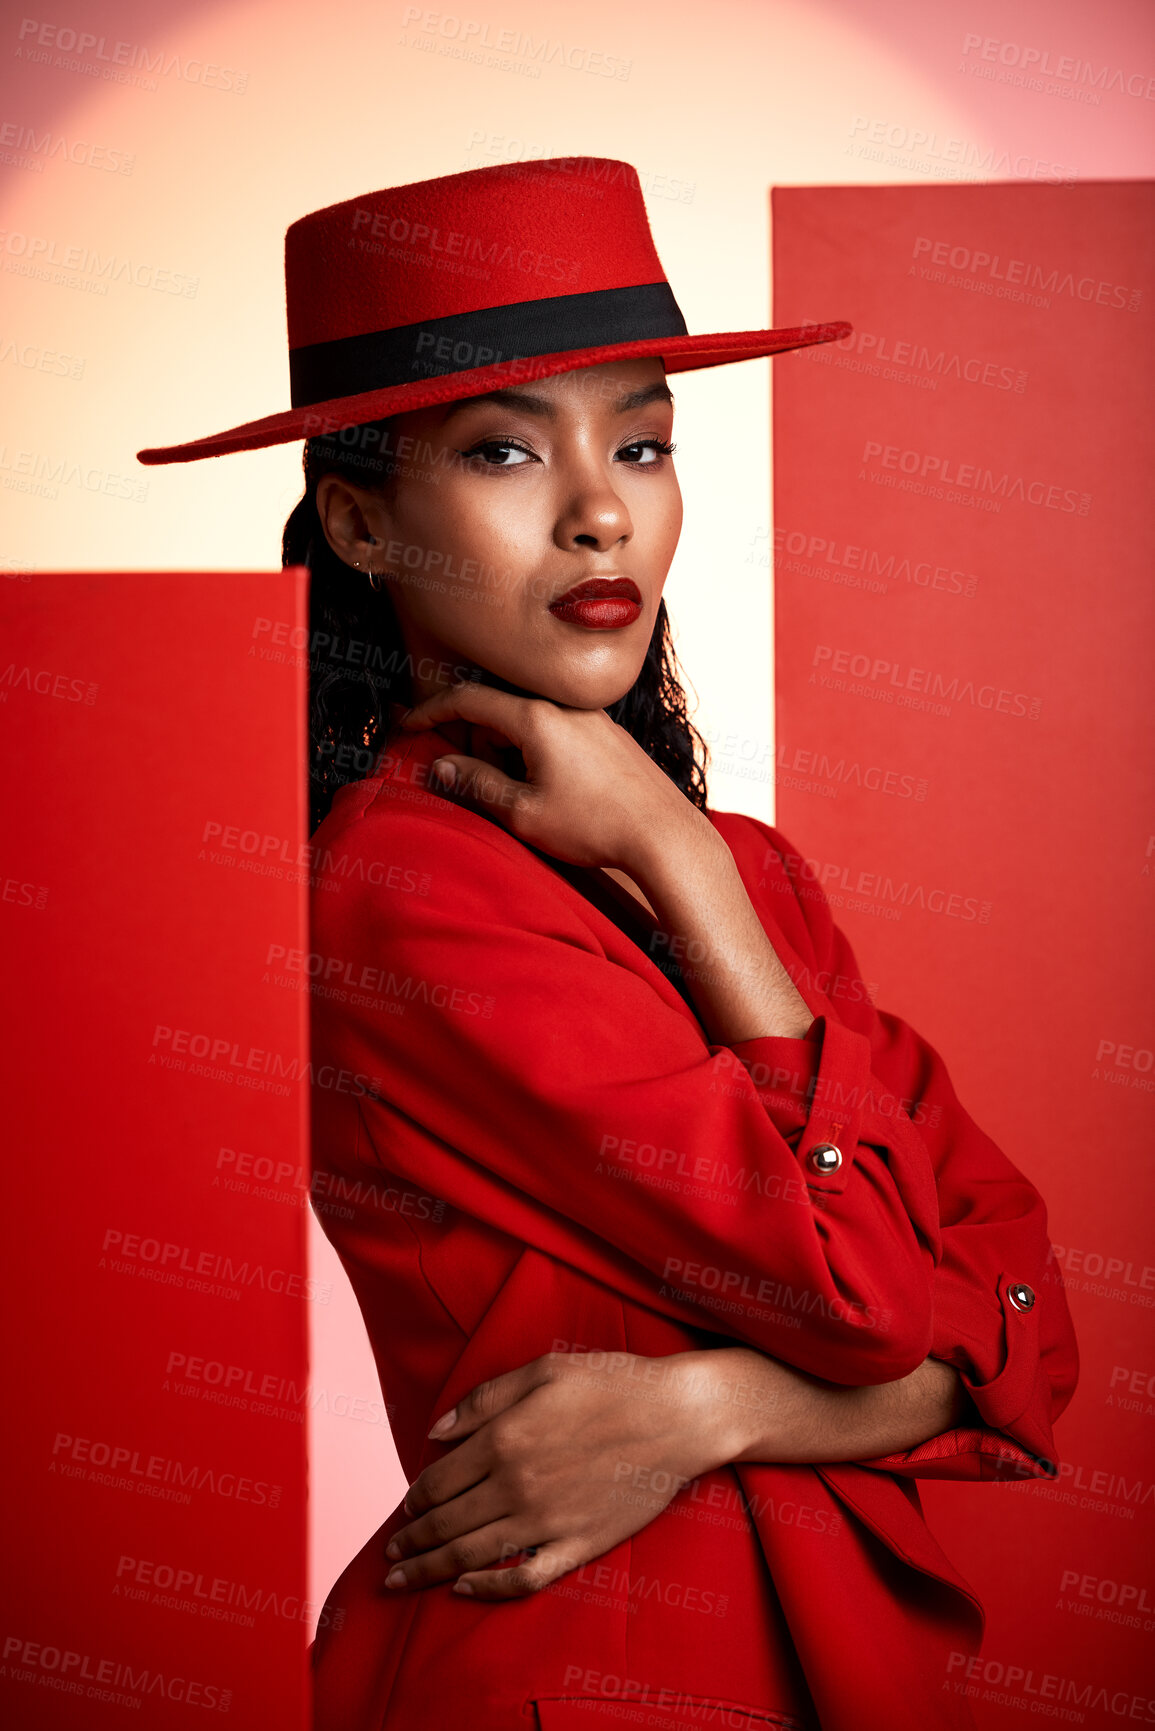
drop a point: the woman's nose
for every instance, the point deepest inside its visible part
(596, 518)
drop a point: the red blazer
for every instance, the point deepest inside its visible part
(525, 1141)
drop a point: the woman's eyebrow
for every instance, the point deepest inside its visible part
(511, 398)
(646, 394)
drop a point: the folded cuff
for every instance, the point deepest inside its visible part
(815, 1090)
(1016, 1440)
(966, 1453)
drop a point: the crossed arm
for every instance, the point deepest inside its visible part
(571, 1454)
(539, 1458)
(563, 1457)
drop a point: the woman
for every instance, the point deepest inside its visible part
(680, 1261)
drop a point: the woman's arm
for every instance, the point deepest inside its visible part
(595, 798)
(852, 1235)
(1000, 1316)
(739, 985)
(573, 1453)
(861, 1082)
(781, 1414)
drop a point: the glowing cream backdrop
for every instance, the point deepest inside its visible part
(186, 178)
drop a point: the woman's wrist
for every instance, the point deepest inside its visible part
(659, 844)
(750, 1407)
(732, 1398)
(691, 879)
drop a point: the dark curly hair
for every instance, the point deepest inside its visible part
(358, 663)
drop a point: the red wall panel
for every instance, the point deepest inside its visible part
(963, 606)
(155, 1279)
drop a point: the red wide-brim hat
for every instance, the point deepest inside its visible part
(446, 288)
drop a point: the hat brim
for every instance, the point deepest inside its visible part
(680, 354)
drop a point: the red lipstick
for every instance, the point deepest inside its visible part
(600, 604)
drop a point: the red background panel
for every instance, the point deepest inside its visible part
(154, 1449)
(963, 607)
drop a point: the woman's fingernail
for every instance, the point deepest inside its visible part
(395, 1578)
(444, 1424)
(445, 772)
(463, 1587)
(393, 1549)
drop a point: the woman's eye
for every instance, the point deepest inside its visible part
(499, 445)
(504, 454)
(652, 451)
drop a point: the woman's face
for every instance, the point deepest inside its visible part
(499, 506)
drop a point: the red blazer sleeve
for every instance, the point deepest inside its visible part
(532, 1078)
(998, 1318)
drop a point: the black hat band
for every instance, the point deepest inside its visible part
(349, 366)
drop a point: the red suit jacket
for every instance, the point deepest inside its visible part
(525, 1141)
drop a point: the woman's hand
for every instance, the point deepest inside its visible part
(571, 1454)
(564, 1459)
(591, 795)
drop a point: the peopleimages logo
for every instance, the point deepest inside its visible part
(28, 148)
(40, 360)
(949, 158)
(1045, 1692)
(815, 771)
(40, 255)
(731, 1284)
(46, 682)
(858, 566)
(219, 1055)
(477, 40)
(879, 672)
(38, 473)
(974, 478)
(909, 352)
(839, 881)
(1021, 273)
(117, 1682)
(62, 46)
(589, 175)
(190, 1589)
(1065, 68)
(216, 1273)
(134, 1470)
(472, 249)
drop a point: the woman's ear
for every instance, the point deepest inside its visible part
(344, 510)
